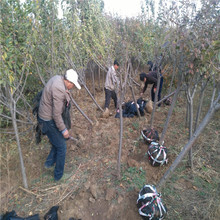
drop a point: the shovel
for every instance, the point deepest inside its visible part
(76, 141)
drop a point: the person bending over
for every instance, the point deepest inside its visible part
(151, 78)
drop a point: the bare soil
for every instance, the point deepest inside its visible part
(90, 188)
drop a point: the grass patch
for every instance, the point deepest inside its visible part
(133, 177)
(205, 187)
(136, 126)
(169, 191)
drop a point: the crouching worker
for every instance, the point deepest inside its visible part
(55, 98)
(151, 78)
(111, 84)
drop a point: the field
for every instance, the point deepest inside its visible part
(90, 188)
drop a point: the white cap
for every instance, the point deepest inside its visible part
(72, 76)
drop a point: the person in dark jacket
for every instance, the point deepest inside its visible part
(52, 105)
(151, 78)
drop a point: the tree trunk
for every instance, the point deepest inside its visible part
(201, 97)
(156, 95)
(103, 82)
(122, 91)
(13, 115)
(187, 115)
(121, 129)
(99, 77)
(135, 101)
(52, 46)
(171, 110)
(93, 82)
(190, 130)
(173, 76)
(120, 140)
(155, 103)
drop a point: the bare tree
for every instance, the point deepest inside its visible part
(12, 104)
(171, 108)
(121, 98)
(214, 107)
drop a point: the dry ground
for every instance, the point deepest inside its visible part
(90, 188)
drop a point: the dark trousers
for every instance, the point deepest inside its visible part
(58, 149)
(159, 93)
(108, 95)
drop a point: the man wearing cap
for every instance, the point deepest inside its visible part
(55, 98)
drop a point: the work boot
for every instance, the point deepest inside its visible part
(106, 113)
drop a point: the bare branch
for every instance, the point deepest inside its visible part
(74, 102)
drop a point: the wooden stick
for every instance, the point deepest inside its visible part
(74, 102)
(28, 191)
(166, 97)
(68, 188)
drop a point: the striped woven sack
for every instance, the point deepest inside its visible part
(150, 205)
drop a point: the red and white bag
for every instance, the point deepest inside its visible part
(150, 135)
(157, 154)
(150, 205)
